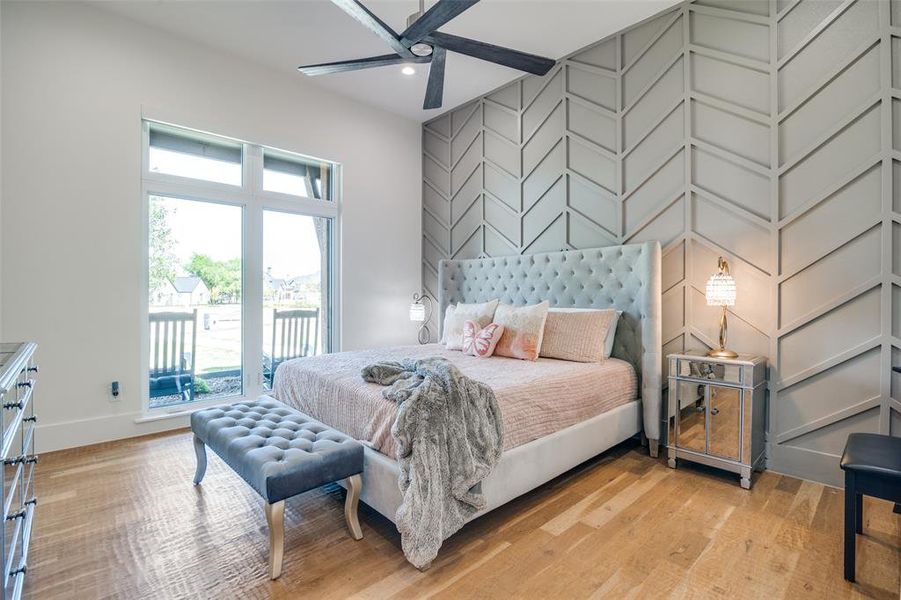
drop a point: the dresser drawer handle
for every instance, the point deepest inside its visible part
(21, 570)
(12, 405)
(32, 501)
(16, 515)
(22, 458)
(24, 384)
(33, 369)
(31, 419)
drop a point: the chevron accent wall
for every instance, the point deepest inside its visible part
(765, 131)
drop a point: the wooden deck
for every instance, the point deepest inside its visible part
(123, 520)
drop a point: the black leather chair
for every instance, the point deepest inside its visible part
(872, 465)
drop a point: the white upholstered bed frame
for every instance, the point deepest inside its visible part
(623, 277)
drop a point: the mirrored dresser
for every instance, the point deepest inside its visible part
(18, 373)
(717, 412)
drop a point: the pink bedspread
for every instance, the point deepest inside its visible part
(536, 398)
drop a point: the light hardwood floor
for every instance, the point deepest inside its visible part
(123, 520)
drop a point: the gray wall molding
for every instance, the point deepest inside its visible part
(766, 131)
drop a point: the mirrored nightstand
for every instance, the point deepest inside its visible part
(717, 412)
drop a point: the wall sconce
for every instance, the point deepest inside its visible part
(421, 312)
(721, 292)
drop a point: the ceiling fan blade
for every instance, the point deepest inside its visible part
(530, 63)
(360, 63)
(434, 91)
(362, 14)
(440, 13)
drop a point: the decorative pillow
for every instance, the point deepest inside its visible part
(611, 334)
(456, 315)
(523, 330)
(481, 342)
(579, 335)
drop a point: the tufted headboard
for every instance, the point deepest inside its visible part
(626, 278)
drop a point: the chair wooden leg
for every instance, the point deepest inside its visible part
(200, 452)
(850, 525)
(858, 513)
(354, 485)
(275, 517)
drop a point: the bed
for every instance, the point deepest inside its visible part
(556, 414)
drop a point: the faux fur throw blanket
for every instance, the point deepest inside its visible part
(450, 436)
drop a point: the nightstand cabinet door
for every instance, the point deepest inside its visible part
(725, 422)
(691, 428)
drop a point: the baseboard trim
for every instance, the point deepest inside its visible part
(806, 464)
(84, 432)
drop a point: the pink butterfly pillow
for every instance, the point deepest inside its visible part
(481, 342)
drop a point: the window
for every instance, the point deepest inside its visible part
(295, 287)
(240, 265)
(186, 154)
(295, 176)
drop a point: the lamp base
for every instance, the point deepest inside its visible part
(722, 353)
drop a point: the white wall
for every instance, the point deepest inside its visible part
(1, 171)
(75, 82)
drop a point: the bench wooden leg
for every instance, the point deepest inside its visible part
(354, 485)
(275, 517)
(850, 525)
(200, 451)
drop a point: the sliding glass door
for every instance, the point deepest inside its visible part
(239, 270)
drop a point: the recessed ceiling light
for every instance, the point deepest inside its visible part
(408, 71)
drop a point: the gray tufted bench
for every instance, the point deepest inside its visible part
(280, 452)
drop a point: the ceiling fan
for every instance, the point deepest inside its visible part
(420, 42)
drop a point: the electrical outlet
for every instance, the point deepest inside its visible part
(114, 392)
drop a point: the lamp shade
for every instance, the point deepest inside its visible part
(721, 290)
(417, 312)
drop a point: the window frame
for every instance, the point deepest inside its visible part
(253, 201)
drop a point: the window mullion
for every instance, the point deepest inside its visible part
(253, 274)
(253, 300)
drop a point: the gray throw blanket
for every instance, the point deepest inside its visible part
(450, 436)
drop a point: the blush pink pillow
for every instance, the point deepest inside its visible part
(481, 342)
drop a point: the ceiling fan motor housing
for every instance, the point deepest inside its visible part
(419, 48)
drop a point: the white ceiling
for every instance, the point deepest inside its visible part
(283, 34)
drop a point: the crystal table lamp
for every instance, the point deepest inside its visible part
(721, 292)
(421, 312)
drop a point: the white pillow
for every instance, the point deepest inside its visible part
(611, 331)
(456, 316)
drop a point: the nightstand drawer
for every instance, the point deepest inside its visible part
(706, 370)
(701, 368)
